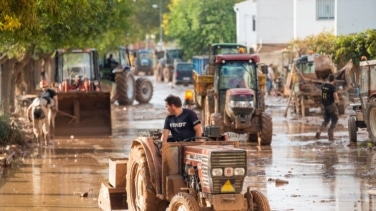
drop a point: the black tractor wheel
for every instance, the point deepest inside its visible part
(141, 194)
(266, 129)
(352, 128)
(371, 123)
(257, 201)
(144, 90)
(125, 88)
(183, 201)
(167, 75)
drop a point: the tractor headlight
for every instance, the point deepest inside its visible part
(241, 104)
(217, 172)
(239, 171)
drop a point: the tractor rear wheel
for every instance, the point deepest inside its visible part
(144, 90)
(141, 194)
(266, 129)
(125, 88)
(257, 201)
(352, 128)
(371, 124)
(183, 201)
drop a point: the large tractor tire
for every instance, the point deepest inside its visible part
(257, 201)
(352, 129)
(183, 201)
(141, 194)
(266, 129)
(125, 88)
(167, 75)
(370, 120)
(144, 90)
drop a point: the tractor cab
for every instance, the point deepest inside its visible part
(235, 71)
(77, 69)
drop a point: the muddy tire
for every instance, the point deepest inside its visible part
(266, 129)
(167, 75)
(257, 201)
(125, 88)
(352, 129)
(371, 124)
(183, 201)
(144, 90)
(141, 194)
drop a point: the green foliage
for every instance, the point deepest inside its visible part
(195, 24)
(44, 25)
(9, 134)
(342, 48)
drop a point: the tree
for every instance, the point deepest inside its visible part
(195, 24)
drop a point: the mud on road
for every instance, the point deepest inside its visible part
(297, 172)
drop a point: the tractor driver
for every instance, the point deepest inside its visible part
(48, 94)
(238, 80)
(182, 122)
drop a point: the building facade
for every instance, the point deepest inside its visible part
(281, 21)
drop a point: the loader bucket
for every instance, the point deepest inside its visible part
(83, 114)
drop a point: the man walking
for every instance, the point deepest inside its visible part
(329, 99)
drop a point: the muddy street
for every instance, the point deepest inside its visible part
(297, 172)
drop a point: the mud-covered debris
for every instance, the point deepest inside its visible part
(278, 181)
(85, 194)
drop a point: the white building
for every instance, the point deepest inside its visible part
(281, 21)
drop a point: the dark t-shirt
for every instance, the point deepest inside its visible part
(327, 96)
(48, 95)
(181, 127)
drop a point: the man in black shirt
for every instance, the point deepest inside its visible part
(183, 123)
(49, 94)
(329, 98)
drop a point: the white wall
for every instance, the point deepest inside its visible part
(244, 23)
(355, 16)
(274, 21)
(305, 23)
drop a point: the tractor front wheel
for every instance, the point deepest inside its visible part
(144, 90)
(183, 201)
(141, 194)
(257, 201)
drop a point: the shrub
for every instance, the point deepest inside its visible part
(10, 133)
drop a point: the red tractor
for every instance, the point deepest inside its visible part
(189, 175)
(235, 99)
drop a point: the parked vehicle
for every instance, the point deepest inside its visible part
(365, 106)
(183, 73)
(166, 61)
(144, 62)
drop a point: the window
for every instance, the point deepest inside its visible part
(325, 9)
